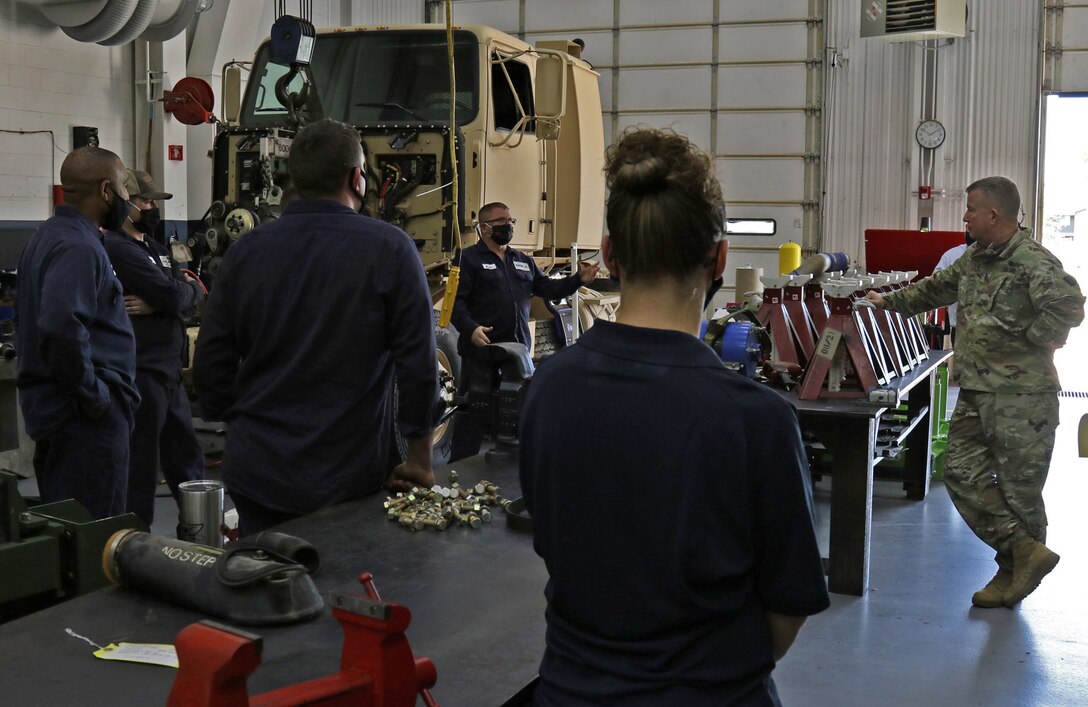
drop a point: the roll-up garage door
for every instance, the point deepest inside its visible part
(744, 80)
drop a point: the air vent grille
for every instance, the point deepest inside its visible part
(911, 16)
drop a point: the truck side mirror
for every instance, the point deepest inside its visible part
(232, 94)
(550, 94)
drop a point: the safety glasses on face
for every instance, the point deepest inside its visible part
(501, 222)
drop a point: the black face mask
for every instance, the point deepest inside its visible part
(116, 214)
(715, 285)
(356, 192)
(502, 234)
(148, 221)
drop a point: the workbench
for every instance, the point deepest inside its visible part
(476, 597)
(848, 428)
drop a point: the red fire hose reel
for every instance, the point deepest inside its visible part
(191, 101)
(377, 667)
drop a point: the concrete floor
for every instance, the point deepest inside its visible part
(914, 638)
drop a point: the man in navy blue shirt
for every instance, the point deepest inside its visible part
(310, 318)
(77, 356)
(157, 297)
(492, 305)
(670, 496)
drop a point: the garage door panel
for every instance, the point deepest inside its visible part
(633, 13)
(695, 126)
(746, 43)
(1074, 72)
(583, 13)
(788, 220)
(761, 86)
(665, 45)
(1074, 26)
(598, 51)
(687, 87)
(761, 132)
(500, 14)
(771, 179)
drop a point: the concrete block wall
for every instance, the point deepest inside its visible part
(51, 82)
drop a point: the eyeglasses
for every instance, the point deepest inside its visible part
(501, 221)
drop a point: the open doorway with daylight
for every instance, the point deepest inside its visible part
(1065, 214)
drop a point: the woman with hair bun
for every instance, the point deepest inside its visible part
(670, 496)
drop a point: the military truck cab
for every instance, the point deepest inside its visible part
(527, 131)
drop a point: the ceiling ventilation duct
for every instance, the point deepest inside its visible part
(913, 20)
(116, 22)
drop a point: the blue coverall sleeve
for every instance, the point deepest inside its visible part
(217, 358)
(551, 288)
(69, 302)
(462, 318)
(169, 294)
(412, 346)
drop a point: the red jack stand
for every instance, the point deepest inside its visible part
(794, 301)
(816, 303)
(377, 668)
(898, 352)
(843, 366)
(916, 338)
(773, 317)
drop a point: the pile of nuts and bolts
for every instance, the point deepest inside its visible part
(440, 507)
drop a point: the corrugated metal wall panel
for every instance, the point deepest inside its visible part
(987, 98)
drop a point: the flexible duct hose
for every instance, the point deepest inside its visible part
(113, 18)
(140, 21)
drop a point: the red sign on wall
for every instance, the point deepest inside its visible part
(175, 152)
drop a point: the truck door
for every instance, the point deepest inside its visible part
(513, 167)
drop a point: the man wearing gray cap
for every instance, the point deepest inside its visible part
(157, 298)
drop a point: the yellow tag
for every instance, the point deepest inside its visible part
(150, 653)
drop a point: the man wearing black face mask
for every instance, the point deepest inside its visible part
(492, 305)
(310, 319)
(77, 355)
(157, 298)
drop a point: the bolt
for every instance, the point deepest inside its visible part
(491, 488)
(436, 523)
(474, 520)
(479, 489)
(485, 515)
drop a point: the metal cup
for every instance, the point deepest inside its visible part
(200, 512)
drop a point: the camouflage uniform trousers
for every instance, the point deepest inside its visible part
(999, 449)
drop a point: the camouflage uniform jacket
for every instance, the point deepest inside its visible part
(1016, 305)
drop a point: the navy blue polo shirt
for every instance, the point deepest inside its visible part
(309, 318)
(496, 292)
(72, 334)
(146, 270)
(672, 506)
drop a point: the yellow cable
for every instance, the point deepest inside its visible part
(455, 272)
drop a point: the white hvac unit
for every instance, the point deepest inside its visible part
(912, 20)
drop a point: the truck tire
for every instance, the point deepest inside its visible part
(449, 373)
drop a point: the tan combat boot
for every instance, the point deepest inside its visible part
(993, 594)
(1031, 561)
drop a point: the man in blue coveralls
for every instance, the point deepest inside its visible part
(492, 305)
(310, 317)
(157, 296)
(77, 356)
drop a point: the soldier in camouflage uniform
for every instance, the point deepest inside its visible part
(1016, 306)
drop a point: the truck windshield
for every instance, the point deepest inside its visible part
(374, 77)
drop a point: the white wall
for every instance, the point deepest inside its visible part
(51, 82)
(987, 98)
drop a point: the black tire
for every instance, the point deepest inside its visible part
(449, 373)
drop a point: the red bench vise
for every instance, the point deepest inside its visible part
(377, 667)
